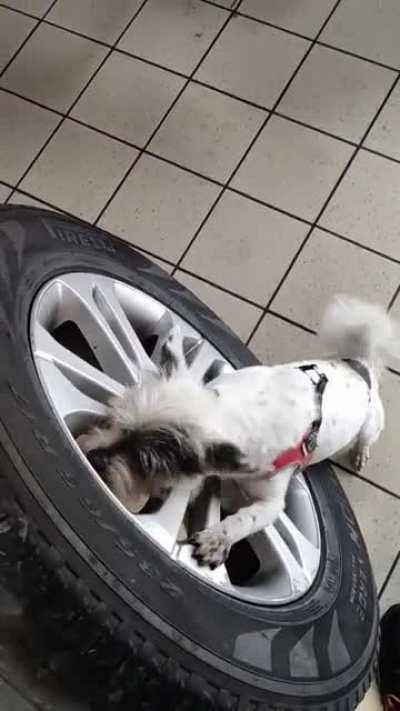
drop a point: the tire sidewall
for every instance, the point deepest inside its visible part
(37, 246)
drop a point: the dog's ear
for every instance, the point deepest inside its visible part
(224, 457)
(162, 450)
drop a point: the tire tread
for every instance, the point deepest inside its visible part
(137, 667)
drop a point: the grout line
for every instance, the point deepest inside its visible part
(332, 192)
(380, 109)
(45, 203)
(152, 63)
(250, 146)
(123, 141)
(260, 21)
(234, 4)
(309, 38)
(278, 100)
(39, 21)
(19, 11)
(389, 575)
(95, 40)
(393, 299)
(152, 154)
(189, 272)
(81, 92)
(204, 177)
(38, 154)
(155, 255)
(291, 322)
(175, 72)
(303, 244)
(364, 247)
(198, 81)
(218, 287)
(6, 90)
(76, 33)
(5, 182)
(274, 26)
(315, 128)
(138, 247)
(259, 201)
(280, 284)
(213, 180)
(285, 30)
(359, 56)
(231, 95)
(223, 289)
(347, 470)
(149, 253)
(144, 150)
(380, 154)
(114, 137)
(279, 114)
(164, 117)
(197, 232)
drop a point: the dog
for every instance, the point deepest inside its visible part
(258, 425)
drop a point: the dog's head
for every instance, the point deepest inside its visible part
(144, 463)
(164, 429)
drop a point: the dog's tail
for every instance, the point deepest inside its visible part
(354, 329)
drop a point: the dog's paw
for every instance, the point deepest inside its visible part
(210, 547)
(360, 458)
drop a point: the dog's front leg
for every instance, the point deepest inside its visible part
(212, 546)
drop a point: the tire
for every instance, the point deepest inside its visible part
(148, 634)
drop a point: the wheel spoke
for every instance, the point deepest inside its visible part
(299, 577)
(165, 525)
(220, 574)
(161, 331)
(104, 295)
(210, 502)
(191, 346)
(217, 368)
(71, 403)
(204, 355)
(197, 353)
(305, 552)
(93, 383)
(213, 513)
(88, 300)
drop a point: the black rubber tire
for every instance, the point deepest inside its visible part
(149, 634)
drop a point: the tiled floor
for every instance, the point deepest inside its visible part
(255, 151)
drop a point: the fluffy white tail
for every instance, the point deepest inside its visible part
(354, 329)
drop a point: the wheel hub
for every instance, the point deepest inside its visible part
(91, 336)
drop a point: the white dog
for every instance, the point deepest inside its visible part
(257, 425)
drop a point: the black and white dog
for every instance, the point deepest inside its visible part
(257, 425)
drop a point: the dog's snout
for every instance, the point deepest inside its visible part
(99, 459)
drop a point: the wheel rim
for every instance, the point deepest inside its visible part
(92, 335)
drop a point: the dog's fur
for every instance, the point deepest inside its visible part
(237, 426)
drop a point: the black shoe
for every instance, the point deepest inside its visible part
(389, 659)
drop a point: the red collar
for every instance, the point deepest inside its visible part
(298, 456)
